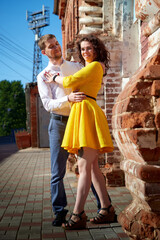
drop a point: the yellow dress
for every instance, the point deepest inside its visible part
(87, 124)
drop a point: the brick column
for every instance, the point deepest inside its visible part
(136, 128)
(33, 114)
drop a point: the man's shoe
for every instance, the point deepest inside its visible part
(60, 218)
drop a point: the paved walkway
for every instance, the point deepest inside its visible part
(25, 209)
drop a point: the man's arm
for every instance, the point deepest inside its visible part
(76, 96)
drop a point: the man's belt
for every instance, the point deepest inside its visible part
(59, 117)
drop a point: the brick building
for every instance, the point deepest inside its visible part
(130, 97)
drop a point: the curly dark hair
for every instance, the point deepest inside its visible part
(102, 54)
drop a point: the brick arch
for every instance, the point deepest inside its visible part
(136, 129)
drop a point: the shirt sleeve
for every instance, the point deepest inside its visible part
(83, 76)
(45, 93)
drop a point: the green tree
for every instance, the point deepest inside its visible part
(12, 107)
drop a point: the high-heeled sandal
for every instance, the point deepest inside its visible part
(80, 224)
(105, 218)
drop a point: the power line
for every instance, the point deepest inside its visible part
(13, 70)
(14, 42)
(11, 58)
(19, 50)
(6, 39)
(10, 48)
(16, 51)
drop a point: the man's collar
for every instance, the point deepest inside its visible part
(54, 66)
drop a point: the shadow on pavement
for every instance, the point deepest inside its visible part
(6, 150)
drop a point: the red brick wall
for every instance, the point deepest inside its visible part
(135, 115)
(33, 115)
(70, 24)
(136, 127)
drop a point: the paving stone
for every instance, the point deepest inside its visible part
(25, 201)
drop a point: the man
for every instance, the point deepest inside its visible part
(56, 100)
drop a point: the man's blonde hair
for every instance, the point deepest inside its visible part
(43, 39)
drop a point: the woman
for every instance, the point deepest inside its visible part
(87, 130)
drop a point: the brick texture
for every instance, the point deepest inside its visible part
(136, 128)
(33, 114)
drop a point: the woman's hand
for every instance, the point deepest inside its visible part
(49, 76)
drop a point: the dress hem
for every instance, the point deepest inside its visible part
(101, 150)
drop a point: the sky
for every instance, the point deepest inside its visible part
(17, 40)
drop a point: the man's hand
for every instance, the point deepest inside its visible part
(76, 96)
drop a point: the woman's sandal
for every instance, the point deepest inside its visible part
(105, 218)
(80, 224)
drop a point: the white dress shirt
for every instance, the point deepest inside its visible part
(54, 97)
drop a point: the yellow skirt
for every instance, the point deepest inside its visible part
(87, 126)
